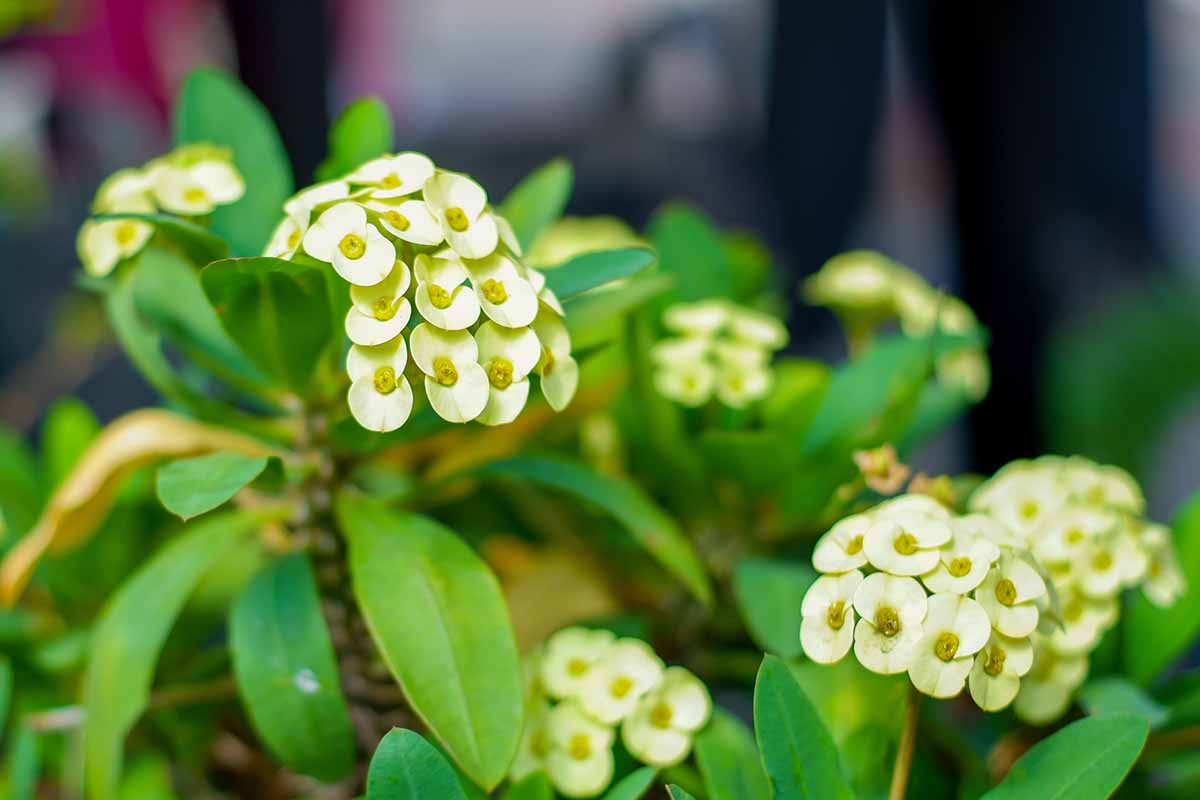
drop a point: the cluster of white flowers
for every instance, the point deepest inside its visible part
(584, 684)
(190, 181)
(721, 348)
(951, 600)
(1082, 521)
(487, 321)
(867, 288)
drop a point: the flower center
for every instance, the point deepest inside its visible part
(444, 371)
(835, 617)
(195, 195)
(396, 220)
(620, 687)
(1029, 509)
(959, 566)
(854, 546)
(576, 667)
(456, 218)
(352, 246)
(946, 646)
(887, 621)
(438, 296)
(1074, 536)
(905, 544)
(579, 746)
(1102, 561)
(660, 716)
(995, 661)
(1006, 592)
(390, 181)
(126, 233)
(293, 239)
(539, 744)
(385, 380)
(547, 361)
(494, 291)
(500, 372)
(1073, 611)
(384, 309)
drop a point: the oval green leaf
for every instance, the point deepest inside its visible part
(535, 786)
(130, 634)
(653, 529)
(1113, 695)
(1087, 760)
(406, 767)
(678, 793)
(215, 108)
(589, 270)
(361, 132)
(729, 760)
(190, 487)
(797, 751)
(538, 200)
(69, 428)
(633, 785)
(769, 593)
(689, 247)
(438, 616)
(286, 670)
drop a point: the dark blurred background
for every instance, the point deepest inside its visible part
(1038, 157)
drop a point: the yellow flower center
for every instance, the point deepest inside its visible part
(125, 234)
(195, 195)
(385, 380)
(576, 667)
(547, 361)
(905, 544)
(293, 239)
(995, 661)
(444, 371)
(390, 181)
(854, 546)
(1006, 592)
(1155, 569)
(500, 372)
(959, 566)
(835, 617)
(456, 218)
(579, 746)
(352, 246)
(539, 744)
(946, 646)
(1074, 536)
(1102, 561)
(396, 220)
(660, 716)
(1073, 611)
(887, 621)
(620, 687)
(439, 297)
(494, 291)
(1029, 509)
(384, 308)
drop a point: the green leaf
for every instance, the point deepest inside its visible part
(633, 785)
(588, 315)
(653, 528)
(148, 778)
(69, 428)
(197, 243)
(215, 108)
(277, 311)
(20, 486)
(678, 793)
(589, 270)
(130, 633)
(362, 131)
(287, 673)
(189, 487)
(167, 290)
(758, 460)
(406, 767)
(769, 593)
(689, 246)
(6, 687)
(450, 642)
(1155, 637)
(538, 200)
(729, 760)
(1115, 695)
(797, 751)
(535, 786)
(1087, 760)
(23, 763)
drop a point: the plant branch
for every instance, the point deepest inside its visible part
(904, 751)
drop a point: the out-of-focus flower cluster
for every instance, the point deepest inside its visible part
(586, 684)
(867, 289)
(720, 349)
(572, 236)
(404, 233)
(190, 181)
(1084, 522)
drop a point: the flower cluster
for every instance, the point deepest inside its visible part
(190, 181)
(951, 600)
(584, 684)
(1082, 521)
(866, 288)
(721, 348)
(404, 233)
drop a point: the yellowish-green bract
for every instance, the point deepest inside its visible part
(402, 232)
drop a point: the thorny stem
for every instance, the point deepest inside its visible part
(904, 751)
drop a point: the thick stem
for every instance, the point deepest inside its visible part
(908, 743)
